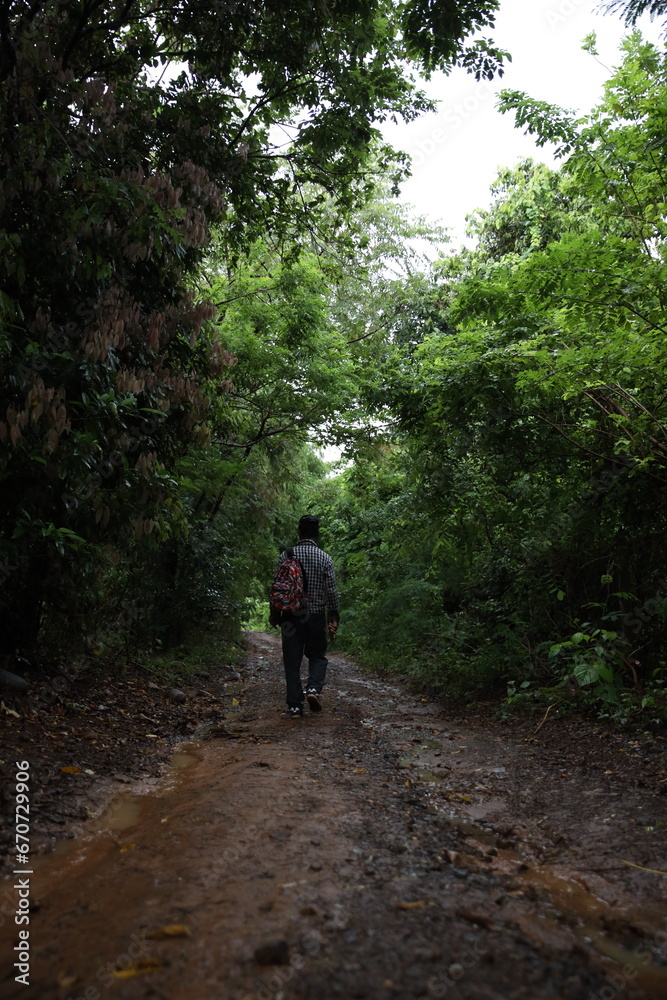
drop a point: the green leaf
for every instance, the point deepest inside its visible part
(586, 674)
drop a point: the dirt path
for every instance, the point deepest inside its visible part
(381, 849)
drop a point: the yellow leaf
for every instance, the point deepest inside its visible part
(407, 783)
(151, 736)
(358, 770)
(142, 968)
(126, 847)
(169, 931)
(411, 906)
(69, 770)
(235, 701)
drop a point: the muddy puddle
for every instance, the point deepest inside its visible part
(103, 833)
(124, 811)
(608, 925)
(588, 907)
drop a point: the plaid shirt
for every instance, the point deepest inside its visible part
(320, 576)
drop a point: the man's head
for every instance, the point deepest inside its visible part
(309, 526)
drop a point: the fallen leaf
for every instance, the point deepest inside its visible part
(142, 968)
(126, 847)
(152, 736)
(475, 918)
(411, 906)
(9, 711)
(358, 770)
(235, 701)
(169, 931)
(653, 871)
(66, 980)
(70, 770)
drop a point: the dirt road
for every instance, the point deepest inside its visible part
(381, 849)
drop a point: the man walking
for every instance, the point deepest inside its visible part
(306, 631)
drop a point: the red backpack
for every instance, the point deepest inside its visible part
(288, 592)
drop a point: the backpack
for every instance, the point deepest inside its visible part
(288, 592)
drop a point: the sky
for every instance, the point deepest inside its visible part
(457, 150)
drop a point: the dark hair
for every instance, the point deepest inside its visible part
(309, 526)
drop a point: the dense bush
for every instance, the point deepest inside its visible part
(510, 527)
(129, 131)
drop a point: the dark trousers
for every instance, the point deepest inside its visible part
(303, 633)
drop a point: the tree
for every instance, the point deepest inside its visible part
(632, 10)
(295, 372)
(531, 426)
(532, 208)
(128, 129)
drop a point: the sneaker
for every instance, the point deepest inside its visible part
(295, 711)
(313, 697)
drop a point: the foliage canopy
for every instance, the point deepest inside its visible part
(130, 130)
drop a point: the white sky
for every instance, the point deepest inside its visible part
(456, 151)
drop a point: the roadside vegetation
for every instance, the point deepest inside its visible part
(191, 305)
